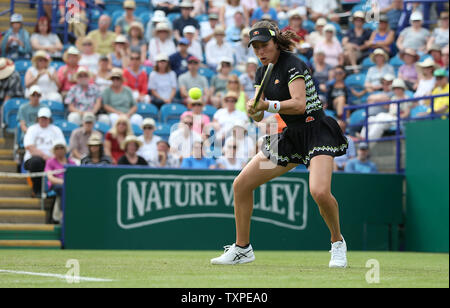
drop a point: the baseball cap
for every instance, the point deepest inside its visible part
(416, 16)
(189, 29)
(440, 73)
(60, 142)
(162, 57)
(148, 122)
(184, 41)
(384, 17)
(35, 89)
(321, 22)
(252, 60)
(261, 35)
(363, 146)
(129, 4)
(44, 112)
(359, 14)
(398, 83)
(16, 18)
(89, 117)
(388, 77)
(193, 59)
(186, 4)
(213, 16)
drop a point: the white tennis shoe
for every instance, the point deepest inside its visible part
(235, 255)
(338, 254)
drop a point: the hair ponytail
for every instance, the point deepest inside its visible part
(284, 39)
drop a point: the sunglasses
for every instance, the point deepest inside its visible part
(233, 81)
(59, 148)
(225, 64)
(135, 58)
(188, 123)
(192, 62)
(36, 94)
(196, 104)
(87, 44)
(148, 127)
(232, 100)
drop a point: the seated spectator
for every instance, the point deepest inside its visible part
(95, 154)
(233, 85)
(227, 14)
(338, 93)
(194, 46)
(322, 72)
(435, 53)
(43, 39)
(225, 117)
(250, 5)
(103, 37)
(102, 79)
(383, 95)
(220, 80)
(192, 79)
(230, 159)
(78, 20)
(89, 56)
(10, 81)
(197, 160)
(247, 79)
(56, 180)
(158, 16)
(162, 83)
(245, 144)
(264, 8)
(184, 20)
(82, 97)
(426, 79)
(375, 73)
(131, 146)
(200, 120)
(331, 47)
(233, 31)
(148, 149)
(181, 140)
(136, 40)
(16, 42)
(179, 60)
(295, 25)
(207, 28)
(341, 161)
(361, 163)
(440, 35)
(167, 6)
(161, 42)
(66, 73)
(57, 162)
(120, 57)
(440, 105)
(318, 35)
(135, 77)
(123, 23)
(415, 36)
(241, 51)
(383, 37)
(78, 144)
(164, 158)
(381, 122)
(322, 9)
(355, 41)
(118, 100)
(116, 135)
(44, 76)
(27, 114)
(38, 145)
(407, 72)
(217, 48)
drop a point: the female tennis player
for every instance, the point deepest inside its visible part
(310, 138)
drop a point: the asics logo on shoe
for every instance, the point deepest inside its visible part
(240, 255)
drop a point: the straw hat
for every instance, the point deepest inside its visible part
(398, 83)
(7, 67)
(82, 70)
(128, 139)
(358, 14)
(377, 52)
(411, 52)
(218, 29)
(95, 139)
(59, 142)
(321, 22)
(162, 57)
(121, 39)
(40, 54)
(71, 51)
(82, 40)
(162, 26)
(137, 25)
(148, 122)
(232, 94)
(129, 4)
(329, 27)
(116, 72)
(428, 62)
(435, 47)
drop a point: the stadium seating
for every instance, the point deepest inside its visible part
(202, 18)
(148, 111)
(172, 16)
(357, 117)
(416, 110)
(137, 130)
(163, 130)
(101, 127)
(170, 114)
(209, 110)
(145, 17)
(57, 64)
(57, 109)
(22, 66)
(66, 127)
(366, 64)
(208, 73)
(10, 110)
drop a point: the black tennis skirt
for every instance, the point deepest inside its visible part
(314, 134)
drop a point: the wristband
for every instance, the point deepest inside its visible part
(274, 106)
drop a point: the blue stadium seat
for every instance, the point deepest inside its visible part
(236, 72)
(208, 73)
(57, 109)
(10, 109)
(22, 66)
(116, 15)
(19, 136)
(170, 113)
(366, 64)
(396, 62)
(357, 117)
(209, 110)
(145, 17)
(57, 64)
(137, 130)
(202, 18)
(163, 130)
(67, 128)
(330, 113)
(172, 16)
(148, 111)
(283, 23)
(355, 81)
(101, 127)
(148, 69)
(416, 110)
(308, 25)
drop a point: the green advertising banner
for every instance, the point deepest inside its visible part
(131, 208)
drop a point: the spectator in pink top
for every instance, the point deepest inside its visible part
(66, 73)
(196, 111)
(334, 54)
(407, 72)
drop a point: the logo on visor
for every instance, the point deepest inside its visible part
(256, 33)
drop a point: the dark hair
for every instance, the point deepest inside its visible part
(40, 20)
(284, 39)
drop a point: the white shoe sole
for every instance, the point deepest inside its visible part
(242, 261)
(337, 266)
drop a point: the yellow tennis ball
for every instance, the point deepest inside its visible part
(195, 93)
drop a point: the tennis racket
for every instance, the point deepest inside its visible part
(264, 83)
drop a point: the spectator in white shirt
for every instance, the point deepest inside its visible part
(148, 150)
(225, 118)
(322, 8)
(217, 48)
(230, 160)
(195, 48)
(162, 42)
(181, 140)
(89, 56)
(207, 28)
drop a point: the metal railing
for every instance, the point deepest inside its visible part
(398, 136)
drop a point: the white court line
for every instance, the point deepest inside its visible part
(73, 278)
